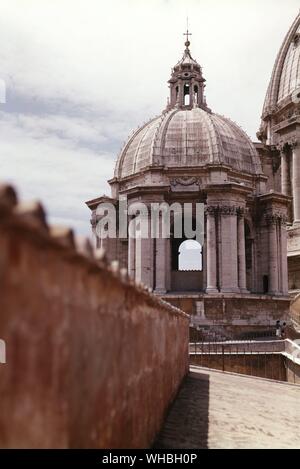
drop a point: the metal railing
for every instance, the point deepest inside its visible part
(256, 354)
(217, 333)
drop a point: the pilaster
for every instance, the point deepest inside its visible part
(211, 252)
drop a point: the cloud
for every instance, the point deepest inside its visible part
(60, 171)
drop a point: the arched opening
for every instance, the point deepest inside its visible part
(186, 94)
(176, 91)
(186, 263)
(190, 256)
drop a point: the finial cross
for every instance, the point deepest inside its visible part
(187, 34)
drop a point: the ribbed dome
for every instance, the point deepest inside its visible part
(188, 138)
(286, 72)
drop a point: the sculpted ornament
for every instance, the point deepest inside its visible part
(241, 211)
(293, 142)
(226, 210)
(211, 210)
(184, 181)
(275, 217)
(284, 145)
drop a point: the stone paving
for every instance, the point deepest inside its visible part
(223, 410)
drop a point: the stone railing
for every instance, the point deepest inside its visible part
(292, 351)
(238, 346)
(285, 347)
(295, 312)
(92, 360)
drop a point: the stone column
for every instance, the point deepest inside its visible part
(273, 255)
(254, 275)
(160, 261)
(131, 250)
(168, 264)
(285, 172)
(229, 278)
(211, 251)
(296, 182)
(144, 256)
(107, 244)
(242, 254)
(284, 265)
(181, 93)
(191, 93)
(204, 261)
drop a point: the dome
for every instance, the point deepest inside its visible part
(188, 138)
(286, 72)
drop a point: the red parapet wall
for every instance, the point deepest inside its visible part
(92, 361)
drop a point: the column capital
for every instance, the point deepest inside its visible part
(284, 145)
(272, 218)
(226, 210)
(242, 212)
(211, 210)
(294, 142)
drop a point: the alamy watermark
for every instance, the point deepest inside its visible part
(153, 220)
(2, 351)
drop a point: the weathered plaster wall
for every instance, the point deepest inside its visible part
(92, 360)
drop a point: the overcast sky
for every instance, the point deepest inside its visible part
(81, 74)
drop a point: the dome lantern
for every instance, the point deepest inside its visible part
(187, 83)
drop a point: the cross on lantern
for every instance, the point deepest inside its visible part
(187, 34)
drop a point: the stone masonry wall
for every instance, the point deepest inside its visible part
(292, 371)
(243, 313)
(93, 361)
